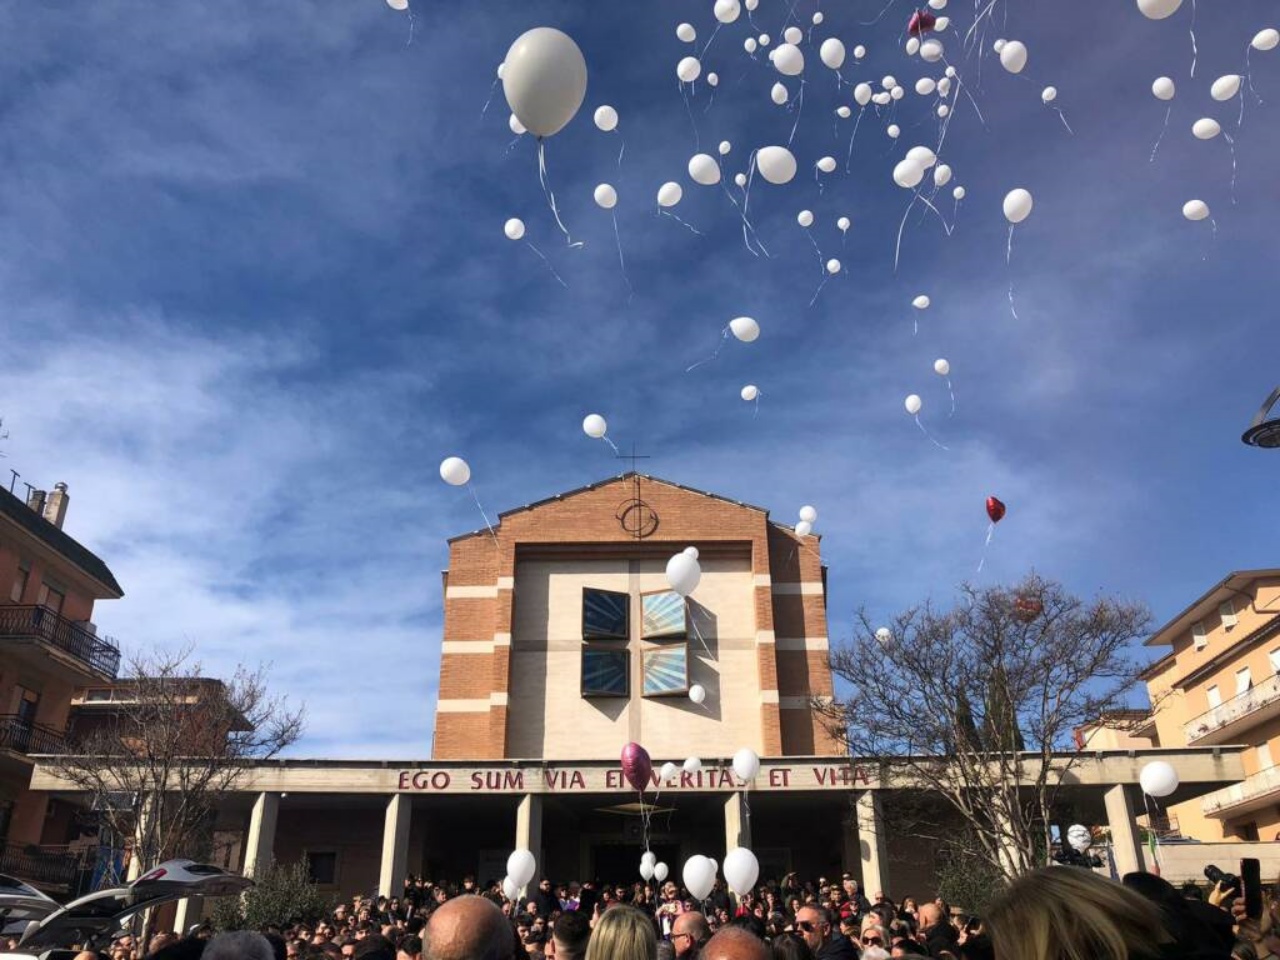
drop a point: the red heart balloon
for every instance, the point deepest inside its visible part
(995, 509)
(922, 21)
(637, 768)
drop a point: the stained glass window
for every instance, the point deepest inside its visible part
(664, 615)
(666, 670)
(605, 615)
(604, 672)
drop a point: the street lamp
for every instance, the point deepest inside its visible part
(1263, 432)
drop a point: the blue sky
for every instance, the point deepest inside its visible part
(255, 287)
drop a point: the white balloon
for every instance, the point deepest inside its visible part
(926, 86)
(515, 126)
(937, 4)
(862, 94)
(1226, 87)
(921, 302)
(703, 169)
(683, 574)
(1079, 837)
(958, 193)
(888, 82)
(646, 869)
(827, 164)
(913, 404)
(1267, 39)
(793, 36)
(545, 80)
(1206, 128)
(594, 426)
(805, 218)
(697, 693)
(833, 266)
(669, 194)
(998, 45)
(606, 118)
(660, 871)
(1049, 94)
(746, 764)
(894, 131)
(740, 179)
(1195, 210)
(844, 224)
(725, 147)
(897, 93)
(699, 876)
(912, 46)
(859, 52)
(713, 79)
(502, 68)
(778, 94)
(818, 18)
(1014, 56)
(788, 60)
(843, 112)
(750, 44)
(884, 635)
(686, 32)
(606, 197)
(943, 110)
(1158, 778)
(521, 866)
(1158, 9)
(776, 164)
(908, 175)
(745, 329)
(944, 86)
(941, 367)
(749, 392)
(941, 24)
(692, 765)
(809, 514)
(455, 472)
(688, 69)
(1017, 205)
(398, 4)
(514, 228)
(649, 857)
(832, 53)
(668, 771)
(764, 39)
(941, 175)
(510, 889)
(950, 71)
(931, 50)
(1163, 88)
(922, 156)
(741, 870)
(727, 11)
(803, 529)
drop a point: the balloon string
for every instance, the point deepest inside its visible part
(621, 262)
(848, 160)
(746, 224)
(548, 263)
(482, 513)
(1063, 117)
(551, 197)
(897, 250)
(621, 150)
(697, 137)
(724, 335)
(1008, 252)
(689, 226)
(710, 102)
(710, 40)
(412, 23)
(951, 391)
(493, 87)
(826, 276)
(1192, 31)
(1232, 145)
(1163, 130)
(1151, 825)
(799, 111)
(821, 262)
(1008, 259)
(991, 529)
(1012, 309)
(927, 434)
(613, 445)
(974, 26)
(756, 413)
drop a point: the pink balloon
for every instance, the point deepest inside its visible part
(637, 768)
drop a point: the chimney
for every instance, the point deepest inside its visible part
(55, 509)
(35, 500)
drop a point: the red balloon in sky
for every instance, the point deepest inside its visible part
(637, 768)
(995, 509)
(922, 21)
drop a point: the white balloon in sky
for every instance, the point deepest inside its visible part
(1195, 210)
(1013, 57)
(958, 193)
(941, 24)
(893, 130)
(765, 39)
(1049, 94)
(941, 175)
(688, 69)
(897, 93)
(713, 79)
(943, 110)
(454, 471)
(750, 44)
(514, 228)
(921, 302)
(776, 164)
(1017, 205)
(793, 35)
(788, 60)
(606, 196)
(862, 94)
(925, 157)
(594, 426)
(750, 392)
(843, 112)
(998, 45)
(908, 175)
(1158, 9)
(398, 4)
(686, 32)
(724, 148)
(745, 329)
(1206, 128)
(805, 218)
(1163, 88)
(804, 528)
(926, 86)
(1225, 87)
(516, 127)
(1267, 39)
(832, 53)
(912, 46)
(818, 18)
(843, 224)
(727, 11)
(606, 118)
(833, 266)
(751, 4)
(502, 68)
(740, 179)
(937, 4)
(950, 71)
(827, 164)
(944, 86)
(931, 50)
(703, 169)
(941, 367)
(888, 82)
(778, 94)
(669, 194)
(913, 404)
(859, 52)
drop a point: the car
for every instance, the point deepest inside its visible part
(91, 921)
(20, 904)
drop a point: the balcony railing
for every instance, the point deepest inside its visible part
(45, 866)
(17, 733)
(1237, 708)
(99, 654)
(1262, 784)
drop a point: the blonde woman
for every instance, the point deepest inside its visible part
(623, 933)
(1066, 913)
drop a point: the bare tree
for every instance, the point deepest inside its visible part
(978, 704)
(168, 746)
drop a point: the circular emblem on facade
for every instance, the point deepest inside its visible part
(637, 518)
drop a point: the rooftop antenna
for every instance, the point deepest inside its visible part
(1263, 432)
(13, 481)
(636, 516)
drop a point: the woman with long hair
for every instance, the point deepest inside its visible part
(623, 933)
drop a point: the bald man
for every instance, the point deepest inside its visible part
(467, 928)
(689, 934)
(936, 932)
(735, 943)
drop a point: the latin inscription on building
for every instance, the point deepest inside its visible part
(572, 779)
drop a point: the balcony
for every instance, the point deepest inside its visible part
(23, 736)
(1251, 793)
(98, 656)
(1229, 718)
(46, 867)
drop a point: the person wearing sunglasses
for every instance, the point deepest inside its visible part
(814, 924)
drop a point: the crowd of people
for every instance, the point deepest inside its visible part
(1057, 913)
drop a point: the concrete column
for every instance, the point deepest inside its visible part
(259, 848)
(140, 829)
(395, 846)
(1125, 845)
(737, 822)
(871, 843)
(529, 832)
(189, 913)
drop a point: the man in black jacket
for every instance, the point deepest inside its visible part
(814, 924)
(546, 899)
(936, 930)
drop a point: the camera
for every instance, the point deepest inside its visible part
(1215, 876)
